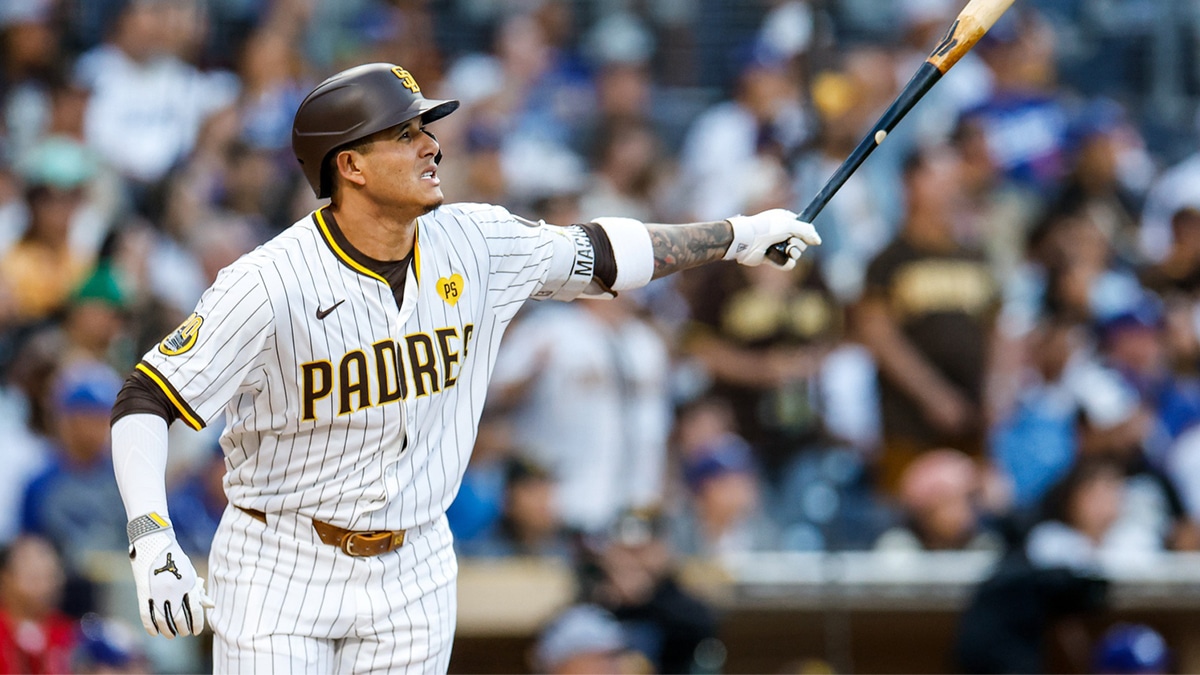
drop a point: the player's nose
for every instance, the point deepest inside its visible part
(432, 146)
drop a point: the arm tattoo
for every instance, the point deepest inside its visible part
(678, 247)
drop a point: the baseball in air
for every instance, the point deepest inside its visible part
(879, 136)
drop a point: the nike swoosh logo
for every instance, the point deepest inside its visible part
(322, 313)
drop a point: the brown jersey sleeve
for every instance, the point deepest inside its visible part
(141, 395)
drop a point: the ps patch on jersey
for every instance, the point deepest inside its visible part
(184, 337)
(450, 288)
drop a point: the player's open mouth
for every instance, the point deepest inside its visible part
(431, 175)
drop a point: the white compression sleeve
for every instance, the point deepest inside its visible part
(139, 450)
(633, 250)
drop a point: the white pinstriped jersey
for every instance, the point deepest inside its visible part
(341, 405)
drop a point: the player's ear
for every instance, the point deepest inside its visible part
(348, 164)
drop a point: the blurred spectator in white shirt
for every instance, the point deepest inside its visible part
(733, 154)
(588, 382)
(1091, 521)
(1176, 189)
(147, 103)
(969, 84)
(626, 163)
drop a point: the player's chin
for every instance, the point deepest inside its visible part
(433, 204)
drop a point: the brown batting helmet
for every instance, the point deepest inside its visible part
(354, 104)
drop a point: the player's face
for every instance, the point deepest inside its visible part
(401, 171)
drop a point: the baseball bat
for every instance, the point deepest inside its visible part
(974, 20)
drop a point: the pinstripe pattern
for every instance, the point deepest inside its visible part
(284, 601)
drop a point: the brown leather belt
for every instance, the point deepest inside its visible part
(357, 543)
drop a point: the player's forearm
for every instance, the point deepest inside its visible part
(678, 247)
(139, 450)
(896, 357)
(731, 364)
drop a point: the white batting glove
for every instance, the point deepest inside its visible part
(171, 597)
(754, 235)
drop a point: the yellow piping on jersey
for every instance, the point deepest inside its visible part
(342, 254)
(417, 254)
(351, 262)
(183, 411)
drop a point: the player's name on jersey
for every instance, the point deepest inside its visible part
(388, 371)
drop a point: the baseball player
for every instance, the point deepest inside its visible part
(350, 356)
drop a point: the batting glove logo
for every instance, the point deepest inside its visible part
(169, 567)
(171, 598)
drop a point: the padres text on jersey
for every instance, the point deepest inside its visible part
(343, 402)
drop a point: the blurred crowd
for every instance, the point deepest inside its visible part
(996, 348)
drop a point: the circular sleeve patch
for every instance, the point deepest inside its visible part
(184, 337)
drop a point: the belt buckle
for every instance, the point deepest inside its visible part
(349, 540)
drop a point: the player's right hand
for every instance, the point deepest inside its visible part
(754, 235)
(171, 597)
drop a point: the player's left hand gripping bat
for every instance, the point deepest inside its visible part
(972, 23)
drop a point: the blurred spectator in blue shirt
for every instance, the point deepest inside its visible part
(724, 513)
(1134, 344)
(75, 502)
(479, 503)
(1066, 398)
(197, 502)
(1025, 119)
(108, 645)
(273, 84)
(528, 522)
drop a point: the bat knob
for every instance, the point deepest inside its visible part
(778, 254)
